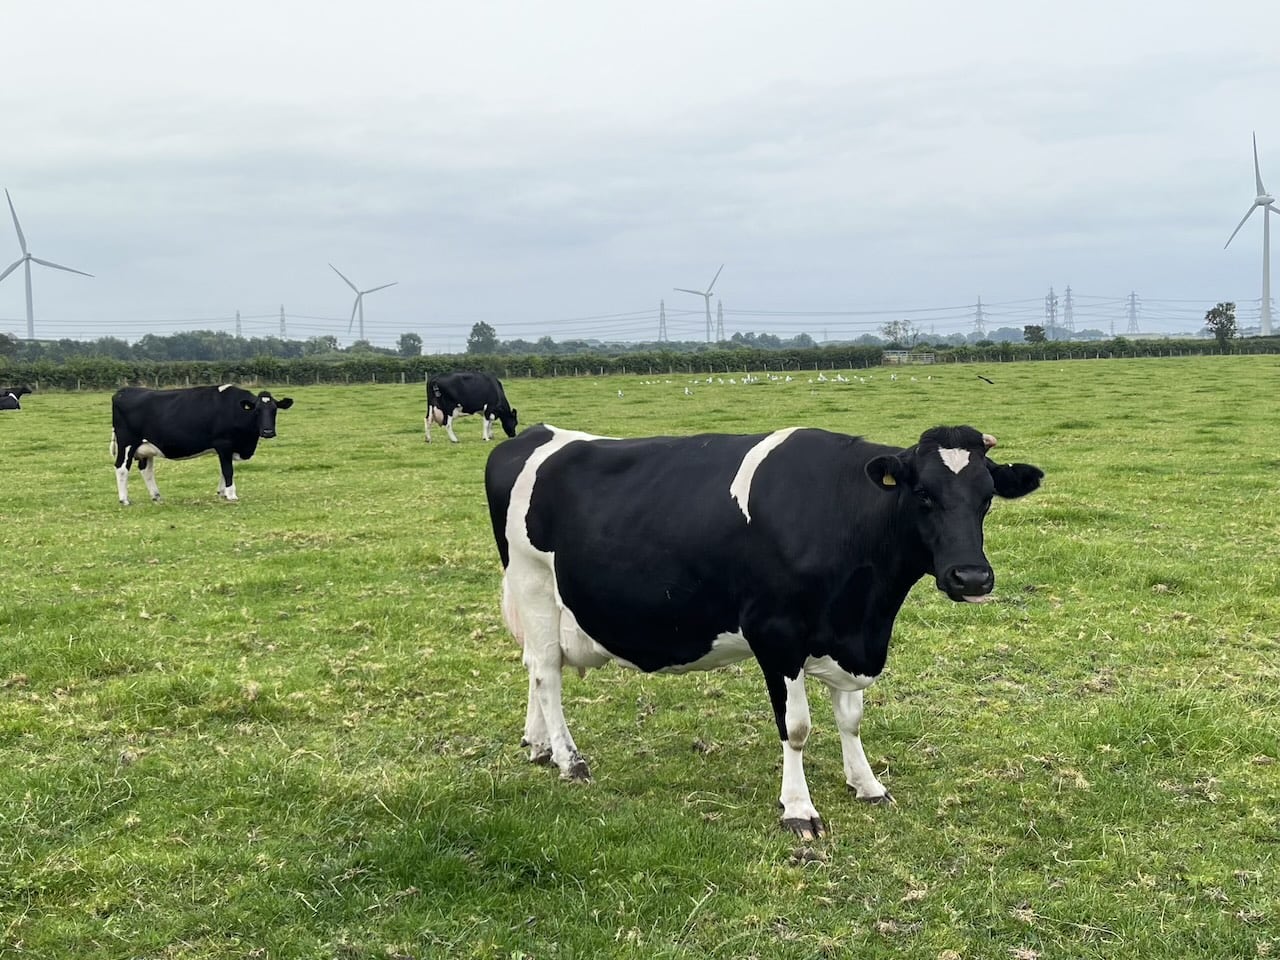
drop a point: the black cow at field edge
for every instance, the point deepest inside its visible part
(9, 397)
(672, 554)
(180, 424)
(451, 394)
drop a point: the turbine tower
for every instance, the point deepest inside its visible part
(1267, 203)
(358, 306)
(26, 260)
(706, 295)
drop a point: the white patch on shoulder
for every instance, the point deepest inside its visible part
(740, 488)
(225, 387)
(955, 458)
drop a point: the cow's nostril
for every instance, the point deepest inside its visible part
(970, 581)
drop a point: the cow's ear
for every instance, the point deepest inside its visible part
(889, 472)
(514, 412)
(1015, 479)
(284, 403)
(247, 404)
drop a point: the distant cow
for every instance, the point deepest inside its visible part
(451, 394)
(9, 397)
(180, 424)
(672, 554)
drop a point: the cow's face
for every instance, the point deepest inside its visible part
(264, 408)
(944, 487)
(508, 420)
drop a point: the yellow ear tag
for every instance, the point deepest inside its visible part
(888, 480)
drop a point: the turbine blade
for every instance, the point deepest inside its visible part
(1257, 171)
(344, 279)
(22, 241)
(12, 267)
(1238, 226)
(687, 290)
(354, 307)
(714, 279)
(383, 287)
(58, 266)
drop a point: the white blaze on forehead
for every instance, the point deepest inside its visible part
(740, 489)
(955, 458)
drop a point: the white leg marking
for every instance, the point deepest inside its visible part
(122, 482)
(448, 425)
(795, 800)
(955, 458)
(229, 491)
(149, 476)
(857, 772)
(740, 488)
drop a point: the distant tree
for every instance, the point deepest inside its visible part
(900, 333)
(1033, 333)
(410, 345)
(483, 339)
(8, 346)
(801, 341)
(361, 346)
(326, 344)
(1221, 322)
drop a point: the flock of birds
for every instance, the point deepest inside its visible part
(750, 378)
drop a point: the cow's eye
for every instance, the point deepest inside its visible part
(922, 495)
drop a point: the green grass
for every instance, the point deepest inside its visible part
(288, 727)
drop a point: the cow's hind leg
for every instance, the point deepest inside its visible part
(147, 467)
(791, 711)
(540, 623)
(535, 736)
(857, 772)
(123, 462)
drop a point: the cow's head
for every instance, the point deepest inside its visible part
(18, 391)
(264, 407)
(507, 417)
(943, 487)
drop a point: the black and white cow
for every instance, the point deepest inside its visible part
(672, 554)
(9, 397)
(180, 424)
(451, 394)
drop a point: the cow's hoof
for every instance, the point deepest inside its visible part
(885, 797)
(806, 829)
(124, 503)
(540, 755)
(578, 772)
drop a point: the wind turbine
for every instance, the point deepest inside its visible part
(706, 295)
(358, 306)
(1268, 204)
(25, 260)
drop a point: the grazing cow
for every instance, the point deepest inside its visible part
(672, 554)
(451, 394)
(180, 424)
(9, 397)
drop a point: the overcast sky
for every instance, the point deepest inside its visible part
(557, 168)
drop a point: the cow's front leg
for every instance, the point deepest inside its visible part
(226, 476)
(791, 711)
(147, 468)
(857, 772)
(448, 425)
(487, 431)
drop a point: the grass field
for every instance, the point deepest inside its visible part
(289, 727)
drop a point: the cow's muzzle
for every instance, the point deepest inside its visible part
(968, 584)
(267, 434)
